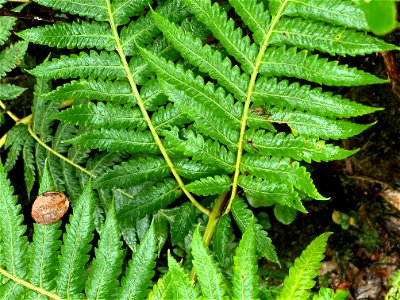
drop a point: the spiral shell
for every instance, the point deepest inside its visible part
(49, 207)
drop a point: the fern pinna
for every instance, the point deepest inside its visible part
(195, 99)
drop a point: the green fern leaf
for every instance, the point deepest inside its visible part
(210, 279)
(10, 91)
(103, 115)
(117, 140)
(269, 191)
(291, 63)
(6, 25)
(210, 185)
(140, 269)
(243, 217)
(245, 278)
(254, 16)
(29, 163)
(302, 97)
(221, 237)
(122, 10)
(205, 58)
(96, 9)
(207, 151)
(330, 294)
(202, 94)
(152, 95)
(316, 126)
(133, 172)
(144, 29)
(113, 91)
(163, 289)
(149, 200)
(298, 148)
(193, 170)
(12, 57)
(167, 117)
(74, 252)
(281, 171)
(342, 13)
(92, 65)
(284, 214)
(14, 244)
(161, 230)
(45, 246)
(181, 285)
(305, 268)
(107, 266)
(224, 30)
(181, 220)
(206, 120)
(72, 35)
(326, 38)
(15, 140)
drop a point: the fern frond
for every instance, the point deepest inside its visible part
(152, 95)
(181, 220)
(193, 170)
(6, 25)
(12, 57)
(107, 266)
(305, 268)
(281, 171)
(202, 95)
(15, 140)
(117, 140)
(144, 29)
(113, 91)
(74, 251)
(163, 288)
(72, 35)
(342, 13)
(292, 63)
(103, 115)
(140, 269)
(29, 163)
(45, 246)
(96, 9)
(205, 58)
(211, 153)
(210, 279)
(254, 16)
(210, 185)
(243, 217)
(224, 30)
(288, 145)
(283, 94)
(316, 126)
(10, 91)
(14, 244)
(182, 287)
(245, 278)
(221, 237)
(133, 172)
(324, 37)
(122, 10)
(93, 65)
(268, 191)
(149, 200)
(168, 116)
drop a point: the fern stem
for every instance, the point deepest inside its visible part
(246, 109)
(211, 224)
(52, 151)
(12, 116)
(29, 285)
(146, 116)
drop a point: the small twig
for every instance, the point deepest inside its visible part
(370, 179)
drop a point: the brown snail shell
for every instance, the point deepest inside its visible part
(49, 207)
